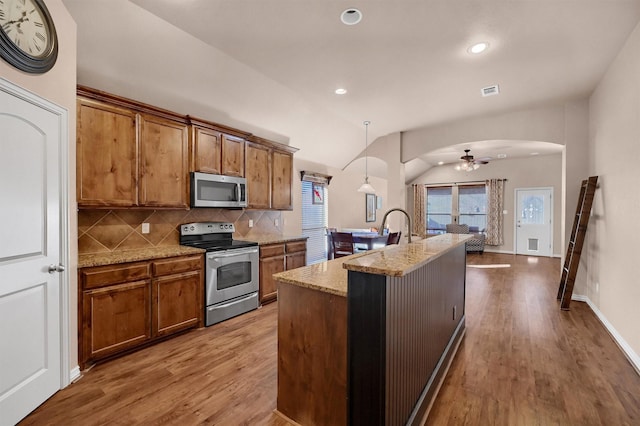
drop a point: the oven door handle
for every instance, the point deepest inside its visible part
(231, 254)
(233, 302)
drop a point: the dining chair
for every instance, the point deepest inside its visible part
(342, 243)
(394, 238)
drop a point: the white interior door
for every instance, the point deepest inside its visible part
(534, 221)
(30, 322)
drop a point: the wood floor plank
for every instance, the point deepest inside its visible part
(522, 361)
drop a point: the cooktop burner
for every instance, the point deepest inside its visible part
(211, 236)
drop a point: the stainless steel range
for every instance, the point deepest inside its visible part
(231, 269)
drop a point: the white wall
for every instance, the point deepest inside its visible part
(346, 204)
(614, 149)
(59, 86)
(537, 171)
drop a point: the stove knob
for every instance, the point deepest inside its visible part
(186, 228)
(193, 228)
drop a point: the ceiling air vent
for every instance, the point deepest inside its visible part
(491, 90)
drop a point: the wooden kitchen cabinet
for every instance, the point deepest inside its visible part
(296, 254)
(281, 181)
(164, 162)
(177, 293)
(126, 306)
(276, 258)
(217, 149)
(233, 159)
(107, 145)
(269, 172)
(130, 154)
(258, 171)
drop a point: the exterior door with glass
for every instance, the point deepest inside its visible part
(534, 221)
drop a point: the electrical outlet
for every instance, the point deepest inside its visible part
(145, 228)
(455, 312)
(250, 223)
(597, 287)
(276, 222)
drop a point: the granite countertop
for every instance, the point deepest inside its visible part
(399, 260)
(394, 260)
(124, 256)
(329, 276)
(263, 239)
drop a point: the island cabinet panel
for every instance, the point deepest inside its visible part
(403, 332)
(258, 174)
(107, 148)
(164, 162)
(312, 344)
(282, 181)
(207, 150)
(126, 306)
(233, 155)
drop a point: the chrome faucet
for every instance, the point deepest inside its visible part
(384, 219)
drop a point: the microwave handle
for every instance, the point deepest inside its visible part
(238, 192)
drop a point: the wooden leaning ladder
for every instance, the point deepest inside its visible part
(574, 249)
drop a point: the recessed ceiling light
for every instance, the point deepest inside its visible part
(502, 155)
(351, 16)
(440, 163)
(341, 91)
(478, 48)
(534, 153)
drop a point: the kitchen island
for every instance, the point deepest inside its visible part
(366, 339)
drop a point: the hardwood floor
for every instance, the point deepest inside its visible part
(523, 361)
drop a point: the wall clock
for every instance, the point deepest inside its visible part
(28, 38)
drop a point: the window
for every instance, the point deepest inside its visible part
(472, 207)
(463, 204)
(439, 209)
(314, 221)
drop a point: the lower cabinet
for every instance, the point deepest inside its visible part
(125, 306)
(276, 258)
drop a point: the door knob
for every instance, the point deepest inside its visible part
(56, 268)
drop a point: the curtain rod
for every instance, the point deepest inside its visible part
(456, 183)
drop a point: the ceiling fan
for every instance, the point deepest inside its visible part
(469, 164)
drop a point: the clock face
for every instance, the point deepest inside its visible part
(28, 38)
(25, 26)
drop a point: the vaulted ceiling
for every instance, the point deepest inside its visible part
(272, 66)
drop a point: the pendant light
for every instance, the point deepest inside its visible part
(366, 187)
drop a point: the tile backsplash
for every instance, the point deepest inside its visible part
(101, 231)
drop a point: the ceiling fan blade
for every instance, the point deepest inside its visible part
(481, 162)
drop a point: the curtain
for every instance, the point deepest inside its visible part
(495, 206)
(419, 224)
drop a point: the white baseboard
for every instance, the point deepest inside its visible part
(631, 355)
(74, 374)
(498, 251)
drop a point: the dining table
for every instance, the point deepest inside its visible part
(366, 241)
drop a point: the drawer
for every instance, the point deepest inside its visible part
(177, 265)
(272, 250)
(113, 274)
(295, 246)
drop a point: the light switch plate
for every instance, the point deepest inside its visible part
(250, 223)
(145, 228)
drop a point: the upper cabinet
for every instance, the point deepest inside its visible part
(269, 174)
(130, 154)
(217, 149)
(281, 180)
(164, 163)
(107, 147)
(258, 159)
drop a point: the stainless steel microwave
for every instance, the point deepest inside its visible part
(209, 190)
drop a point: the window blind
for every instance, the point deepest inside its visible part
(314, 222)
